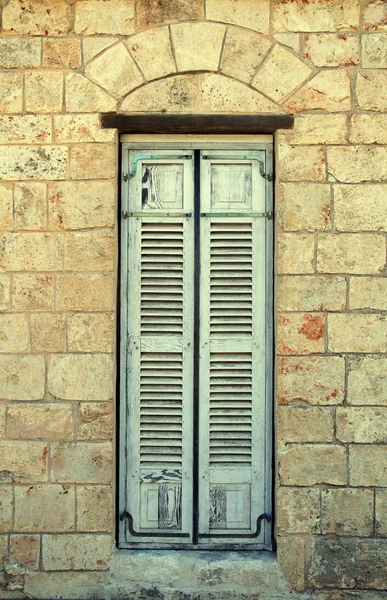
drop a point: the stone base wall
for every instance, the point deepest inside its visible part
(62, 63)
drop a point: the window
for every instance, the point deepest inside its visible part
(196, 340)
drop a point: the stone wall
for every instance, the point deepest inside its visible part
(62, 62)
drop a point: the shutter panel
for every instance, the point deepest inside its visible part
(232, 350)
(159, 356)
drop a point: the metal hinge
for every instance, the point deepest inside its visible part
(267, 176)
(256, 533)
(127, 176)
(150, 534)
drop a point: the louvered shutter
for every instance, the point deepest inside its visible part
(159, 352)
(233, 303)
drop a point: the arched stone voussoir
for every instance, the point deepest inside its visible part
(243, 53)
(197, 45)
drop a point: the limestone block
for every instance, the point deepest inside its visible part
(152, 13)
(295, 253)
(375, 16)
(368, 293)
(32, 292)
(368, 465)
(35, 421)
(304, 206)
(33, 162)
(83, 96)
(374, 51)
(44, 91)
(357, 333)
(316, 129)
(28, 17)
(22, 377)
(347, 511)
(4, 544)
(350, 164)
(362, 425)
(82, 462)
(175, 94)
(301, 163)
(90, 332)
(152, 52)
(26, 129)
(31, 252)
(81, 205)
(111, 17)
(78, 552)
(308, 464)
(221, 94)
(291, 40)
(371, 90)
(81, 376)
(48, 333)
(311, 293)
(291, 558)
(197, 45)
(94, 508)
(90, 251)
(11, 92)
(367, 381)
(95, 421)
(305, 424)
(332, 49)
(18, 52)
(328, 90)
(300, 333)
(350, 253)
(252, 14)
(25, 550)
(298, 510)
(30, 204)
(93, 161)
(332, 562)
(372, 563)
(281, 74)
(6, 508)
(6, 206)
(14, 333)
(81, 128)
(70, 584)
(62, 53)
(94, 45)
(84, 291)
(314, 379)
(45, 508)
(5, 292)
(242, 54)
(381, 512)
(368, 129)
(115, 71)
(23, 462)
(293, 15)
(350, 202)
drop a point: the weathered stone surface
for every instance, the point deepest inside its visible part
(368, 129)
(95, 421)
(81, 205)
(332, 50)
(65, 54)
(357, 333)
(300, 333)
(84, 291)
(72, 584)
(4, 554)
(79, 552)
(94, 45)
(82, 462)
(36, 421)
(25, 550)
(84, 96)
(308, 464)
(115, 70)
(32, 292)
(11, 92)
(332, 563)
(14, 334)
(152, 13)
(350, 164)
(298, 510)
(291, 40)
(328, 90)
(371, 90)
(81, 376)
(315, 15)
(305, 424)
(347, 511)
(44, 91)
(19, 52)
(349, 202)
(90, 251)
(301, 163)
(374, 51)
(81, 128)
(26, 129)
(93, 161)
(33, 162)
(368, 292)
(252, 14)
(5, 292)
(22, 377)
(350, 253)
(112, 17)
(362, 425)
(23, 461)
(197, 45)
(242, 54)
(316, 129)
(291, 558)
(45, 508)
(30, 205)
(6, 206)
(281, 74)
(372, 563)
(31, 252)
(375, 17)
(6, 508)
(28, 17)
(295, 253)
(221, 94)
(311, 293)
(152, 52)
(94, 508)
(304, 206)
(48, 332)
(175, 94)
(381, 512)
(90, 332)
(367, 381)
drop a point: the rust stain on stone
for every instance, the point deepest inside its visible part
(313, 327)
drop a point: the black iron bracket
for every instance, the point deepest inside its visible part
(256, 533)
(151, 534)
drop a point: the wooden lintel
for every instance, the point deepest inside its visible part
(205, 124)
